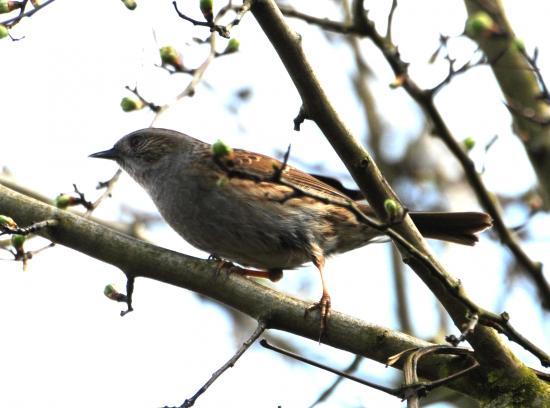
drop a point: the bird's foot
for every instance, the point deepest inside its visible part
(272, 274)
(324, 312)
(221, 264)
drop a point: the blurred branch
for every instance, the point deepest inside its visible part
(140, 259)
(328, 392)
(198, 73)
(401, 297)
(390, 20)
(413, 389)
(490, 350)
(364, 27)
(22, 13)
(522, 85)
(376, 132)
(230, 363)
(124, 228)
(210, 22)
(342, 374)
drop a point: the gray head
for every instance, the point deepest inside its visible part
(143, 151)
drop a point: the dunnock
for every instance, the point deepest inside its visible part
(232, 204)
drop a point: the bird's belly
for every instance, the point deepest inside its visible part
(254, 233)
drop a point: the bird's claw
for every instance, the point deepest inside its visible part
(221, 264)
(324, 312)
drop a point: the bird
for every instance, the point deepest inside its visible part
(261, 213)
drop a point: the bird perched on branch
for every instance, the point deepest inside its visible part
(254, 210)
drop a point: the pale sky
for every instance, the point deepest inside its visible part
(64, 344)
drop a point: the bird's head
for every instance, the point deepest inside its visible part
(142, 151)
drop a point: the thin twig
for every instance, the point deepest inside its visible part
(13, 21)
(27, 230)
(468, 329)
(153, 106)
(387, 390)
(230, 363)
(413, 389)
(499, 322)
(328, 392)
(390, 20)
(108, 186)
(362, 26)
(406, 391)
(221, 30)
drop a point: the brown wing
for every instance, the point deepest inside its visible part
(263, 166)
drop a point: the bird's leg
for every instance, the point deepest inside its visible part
(221, 264)
(272, 274)
(324, 303)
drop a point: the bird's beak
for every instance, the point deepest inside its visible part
(110, 154)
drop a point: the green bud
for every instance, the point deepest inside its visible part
(220, 149)
(392, 207)
(110, 291)
(398, 82)
(469, 143)
(206, 8)
(8, 222)
(3, 31)
(17, 241)
(518, 45)
(168, 55)
(130, 4)
(7, 6)
(63, 201)
(222, 181)
(129, 104)
(478, 24)
(232, 46)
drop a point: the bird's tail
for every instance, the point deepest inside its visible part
(458, 227)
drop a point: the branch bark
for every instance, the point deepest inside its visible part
(425, 98)
(491, 352)
(520, 87)
(282, 312)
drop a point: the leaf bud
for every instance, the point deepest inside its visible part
(206, 8)
(7, 222)
(469, 143)
(7, 6)
(64, 200)
(392, 208)
(518, 45)
(398, 82)
(17, 241)
(220, 149)
(110, 292)
(130, 4)
(3, 31)
(232, 46)
(129, 104)
(480, 23)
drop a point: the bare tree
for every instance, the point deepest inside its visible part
(478, 362)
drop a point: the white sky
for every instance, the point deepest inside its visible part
(64, 344)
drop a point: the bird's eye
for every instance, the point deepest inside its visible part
(134, 142)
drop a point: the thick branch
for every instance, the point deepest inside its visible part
(490, 350)
(124, 228)
(282, 312)
(520, 86)
(365, 28)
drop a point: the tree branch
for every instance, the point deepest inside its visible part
(364, 27)
(140, 259)
(491, 352)
(520, 86)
